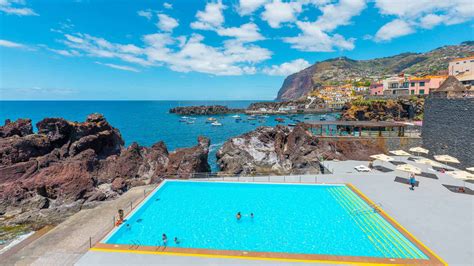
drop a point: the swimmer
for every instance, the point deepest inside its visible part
(251, 215)
(165, 239)
(176, 241)
(238, 216)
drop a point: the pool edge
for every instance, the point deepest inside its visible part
(434, 259)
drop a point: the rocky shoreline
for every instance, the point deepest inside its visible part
(306, 106)
(65, 166)
(205, 110)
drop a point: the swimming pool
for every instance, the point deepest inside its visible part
(288, 218)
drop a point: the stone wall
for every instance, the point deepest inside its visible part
(448, 128)
(386, 143)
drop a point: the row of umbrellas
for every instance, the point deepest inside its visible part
(459, 174)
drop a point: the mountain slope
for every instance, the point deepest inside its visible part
(342, 69)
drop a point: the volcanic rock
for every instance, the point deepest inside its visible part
(45, 177)
(281, 150)
(20, 127)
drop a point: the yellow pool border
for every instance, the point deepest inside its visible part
(433, 258)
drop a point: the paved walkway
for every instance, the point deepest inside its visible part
(68, 241)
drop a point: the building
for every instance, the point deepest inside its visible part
(335, 97)
(396, 85)
(423, 85)
(463, 70)
(452, 88)
(376, 89)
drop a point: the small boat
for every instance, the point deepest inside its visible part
(184, 117)
(252, 117)
(211, 119)
(236, 116)
(190, 122)
(216, 124)
(279, 120)
(292, 125)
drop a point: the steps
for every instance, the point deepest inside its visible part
(386, 239)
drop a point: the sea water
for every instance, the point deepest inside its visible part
(147, 122)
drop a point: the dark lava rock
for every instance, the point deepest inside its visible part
(281, 150)
(45, 177)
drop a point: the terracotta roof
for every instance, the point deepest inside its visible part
(451, 84)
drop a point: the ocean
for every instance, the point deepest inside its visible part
(147, 122)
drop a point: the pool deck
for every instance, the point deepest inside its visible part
(440, 219)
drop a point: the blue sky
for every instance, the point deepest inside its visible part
(203, 50)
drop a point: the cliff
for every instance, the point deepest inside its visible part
(340, 70)
(48, 175)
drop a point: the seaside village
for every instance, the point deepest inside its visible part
(396, 86)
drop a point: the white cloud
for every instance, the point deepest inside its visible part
(120, 67)
(393, 29)
(317, 36)
(278, 12)
(424, 14)
(167, 5)
(69, 53)
(166, 23)
(431, 20)
(99, 47)
(10, 44)
(211, 17)
(335, 15)
(312, 39)
(287, 68)
(148, 14)
(234, 58)
(16, 7)
(246, 33)
(247, 7)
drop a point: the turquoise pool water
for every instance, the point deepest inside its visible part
(290, 218)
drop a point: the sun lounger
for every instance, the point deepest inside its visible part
(362, 168)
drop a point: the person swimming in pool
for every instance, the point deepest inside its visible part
(176, 240)
(165, 239)
(251, 215)
(238, 216)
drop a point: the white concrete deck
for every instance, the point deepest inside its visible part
(439, 218)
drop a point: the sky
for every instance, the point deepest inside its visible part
(203, 50)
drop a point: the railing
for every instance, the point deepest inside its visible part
(373, 208)
(127, 209)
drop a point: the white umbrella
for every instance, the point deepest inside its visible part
(446, 159)
(409, 168)
(400, 153)
(458, 174)
(428, 162)
(419, 150)
(382, 157)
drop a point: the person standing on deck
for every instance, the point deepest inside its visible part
(412, 181)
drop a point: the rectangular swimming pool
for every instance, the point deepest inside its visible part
(288, 218)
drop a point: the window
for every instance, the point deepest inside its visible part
(422, 92)
(412, 92)
(413, 84)
(422, 84)
(405, 85)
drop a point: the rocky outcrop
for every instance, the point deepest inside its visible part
(383, 110)
(338, 71)
(47, 176)
(281, 150)
(20, 127)
(204, 110)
